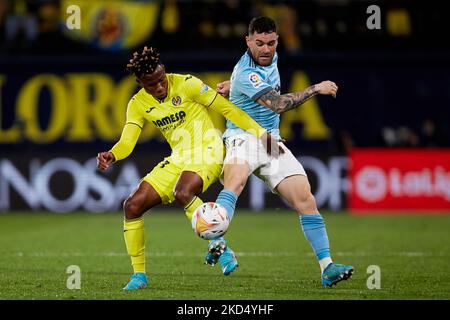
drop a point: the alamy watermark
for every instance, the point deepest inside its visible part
(74, 280)
(374, 280)
(73, 21)
(374, 20)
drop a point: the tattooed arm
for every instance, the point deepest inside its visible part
(282, 103)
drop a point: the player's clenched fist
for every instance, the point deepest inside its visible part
(327, 87)
(223, 88)
(104, 160)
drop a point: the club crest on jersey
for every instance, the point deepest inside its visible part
(176, 101)
(204, 88)
(255, 79)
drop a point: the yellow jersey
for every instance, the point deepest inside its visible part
(182, 118)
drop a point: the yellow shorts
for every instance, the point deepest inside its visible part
(165, 175)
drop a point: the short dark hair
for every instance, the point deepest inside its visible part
(262, 25)
(144, 63)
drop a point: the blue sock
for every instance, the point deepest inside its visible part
(227, 199)
(314, 230)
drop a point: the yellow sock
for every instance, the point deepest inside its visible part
(133, 232)
(191, 206)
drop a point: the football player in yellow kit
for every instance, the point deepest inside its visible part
(178, 106)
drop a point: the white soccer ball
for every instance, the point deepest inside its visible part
(210, 221)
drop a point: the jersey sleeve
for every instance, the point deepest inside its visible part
(130, 133)
(251, 82)
(198, 91)
(237, 116)
(134, 112)
(201, 93)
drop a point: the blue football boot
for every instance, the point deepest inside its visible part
(334, 273)
(219, 252)
(228, 261)
(138, 281)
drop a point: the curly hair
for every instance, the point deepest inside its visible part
(145, 62)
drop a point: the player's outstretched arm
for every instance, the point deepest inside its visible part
(285, 102)
(236, 115)
(244, 121)
(122, 148)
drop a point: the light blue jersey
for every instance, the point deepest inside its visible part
(249, 81)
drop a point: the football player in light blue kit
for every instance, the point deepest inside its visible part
(255, 88)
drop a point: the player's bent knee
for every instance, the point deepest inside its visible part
(182, 196)
(306, 204)
(132, 209)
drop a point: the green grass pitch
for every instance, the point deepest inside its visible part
(276, 261)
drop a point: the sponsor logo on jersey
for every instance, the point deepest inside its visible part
(176, 101)
(175, 117)
(204, 88)
(150, 109)
(255, 79)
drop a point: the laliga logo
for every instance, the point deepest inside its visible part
(254, 79)
(371, 184)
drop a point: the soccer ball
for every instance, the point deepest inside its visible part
(210, 221)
